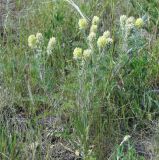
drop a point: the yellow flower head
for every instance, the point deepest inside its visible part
(39, 37)
(102, 41)
(87, 53)
(94, 28)
(83, 24)
(95, 20)
(139, 23)
(77, 53)
(91, 36)
(32, 41)
(51, 45)
(106, 34)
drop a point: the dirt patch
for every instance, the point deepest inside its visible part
(147, 141)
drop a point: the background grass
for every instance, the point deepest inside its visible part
(124, 98)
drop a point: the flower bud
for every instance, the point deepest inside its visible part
(109, 40)
(139, 23)
(123, 19)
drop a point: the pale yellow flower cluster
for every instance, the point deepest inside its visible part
(95, 22)
(106, 34)
(104, 40)
(123, 19)
(130, 22)
(91, 37)
(32, 41)
(93, 29)
(51, 45)
(139, 23)
(87, 54)
(78, 54)
(35, 40)
(83, 24)
(39, 38)
(101, 43)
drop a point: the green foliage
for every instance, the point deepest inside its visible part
(98, 98)
(8, 144)
(127, 154)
